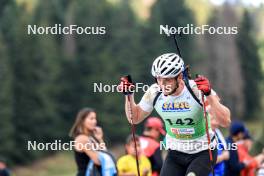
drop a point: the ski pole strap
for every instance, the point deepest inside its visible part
(187, 84)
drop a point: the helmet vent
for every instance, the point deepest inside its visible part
(158, 63)
(162, 63)
(169, 71)
(171, 54)
(176, 71)
(163, 70)
(173, 59)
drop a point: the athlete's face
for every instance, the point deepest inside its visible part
(167, 85)
(90, 121)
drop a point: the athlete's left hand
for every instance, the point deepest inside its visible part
(203, 84)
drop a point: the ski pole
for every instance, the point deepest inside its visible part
(177, 46)
(208, 136)
(133, 128)
(203, 104)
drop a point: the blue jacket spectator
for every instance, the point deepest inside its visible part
(4, 171)
(233, 166)
(222, 154)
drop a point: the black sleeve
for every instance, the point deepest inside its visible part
(234, 163)
(156, 160)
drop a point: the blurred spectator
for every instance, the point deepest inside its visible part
(4, 171)
(261, 170)
(150, 145)
(90, 150)
(127, 165)
(233, 166)
(244, 146)
(222, 153)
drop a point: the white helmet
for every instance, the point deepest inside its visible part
(168, 65)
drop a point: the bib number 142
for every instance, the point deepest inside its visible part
(186, 121)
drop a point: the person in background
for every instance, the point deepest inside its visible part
(261, 169)
(244, 146)
(222, 152)
(86, 133)
(150, 143)
(233, 166)
(4, 171)
(127, 166)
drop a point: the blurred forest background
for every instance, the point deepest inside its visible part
(46, 79)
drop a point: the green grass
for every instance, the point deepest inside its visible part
(61, 164)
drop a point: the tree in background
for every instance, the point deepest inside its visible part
(251, 67)
(222, 61)
(173, 13)
(103, 59)
(7, 129)
(34, 67)
(9, 49)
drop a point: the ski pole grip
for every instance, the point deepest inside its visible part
(128, 78)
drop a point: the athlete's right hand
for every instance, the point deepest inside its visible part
(126, 85)
(203, 84)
